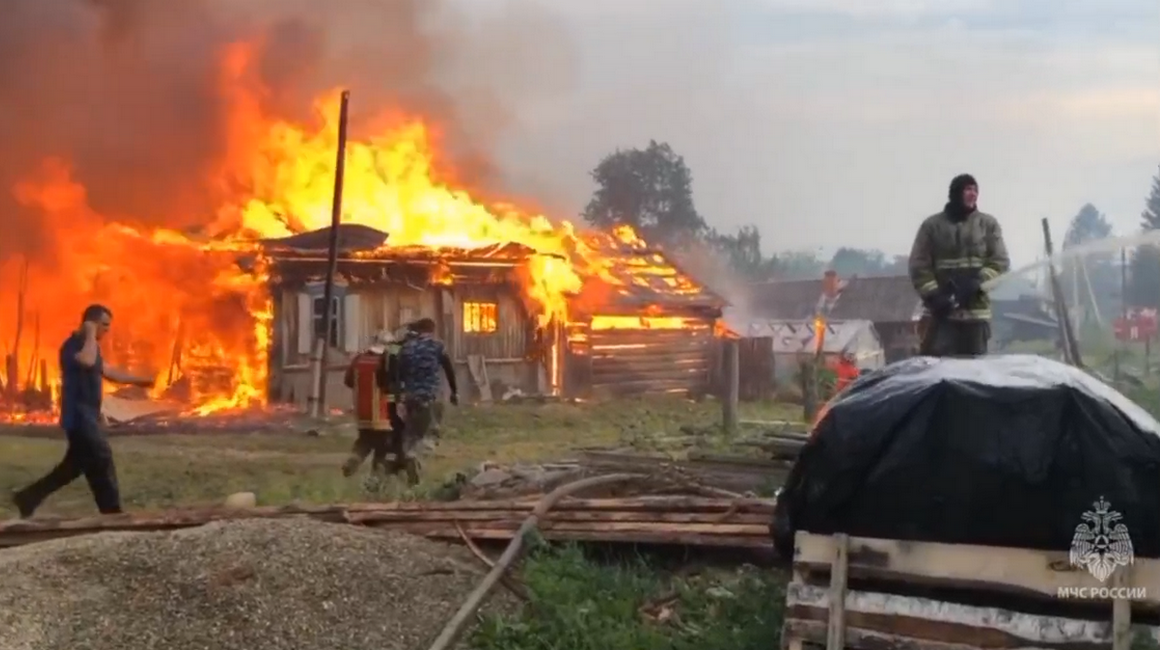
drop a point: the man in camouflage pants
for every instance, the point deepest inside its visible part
(420, 359)
(954, 253)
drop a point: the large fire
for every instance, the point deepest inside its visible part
(183, 307)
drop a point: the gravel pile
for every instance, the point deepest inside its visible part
(249, 585)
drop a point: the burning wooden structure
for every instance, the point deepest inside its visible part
(638, 325)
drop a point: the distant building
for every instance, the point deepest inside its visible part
(889, 302)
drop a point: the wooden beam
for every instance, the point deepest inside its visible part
(836, 625)
(1013, 570)
(877, 621)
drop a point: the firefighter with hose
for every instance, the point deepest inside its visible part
(955, 252)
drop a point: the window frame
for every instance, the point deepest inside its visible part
(477, 312)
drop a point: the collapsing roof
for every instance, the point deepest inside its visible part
(639, 276)
(617, 272)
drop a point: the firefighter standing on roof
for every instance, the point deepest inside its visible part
(954, 253)
(420, 359)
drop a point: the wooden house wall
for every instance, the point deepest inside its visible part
(367, 309)
(607, 363)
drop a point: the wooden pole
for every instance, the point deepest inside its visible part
(732, 386)
(809, 388)
(328, 322)
(317, 354)
(13, 368)
(1123, 307)
(1066, 333)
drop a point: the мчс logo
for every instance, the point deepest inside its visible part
(1101, 542)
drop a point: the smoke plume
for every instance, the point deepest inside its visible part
(128, 92)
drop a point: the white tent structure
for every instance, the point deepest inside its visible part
(794, 339)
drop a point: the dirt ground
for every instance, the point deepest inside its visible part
(183, 470)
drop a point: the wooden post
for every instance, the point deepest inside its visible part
(732, 386)
(13, 361)
(328, 323)
(1066, 333)
(836, 627)
(317, 376)
(1123, 306)
(1122, 610)
(809, 389)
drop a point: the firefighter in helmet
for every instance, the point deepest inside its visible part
(955, 252)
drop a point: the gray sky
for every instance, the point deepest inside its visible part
(841, 122)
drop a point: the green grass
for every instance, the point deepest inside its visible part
(580, 604)
(157, 472)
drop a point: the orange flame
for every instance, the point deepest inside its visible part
(185, 308)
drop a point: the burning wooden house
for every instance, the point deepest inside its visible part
(636, 324)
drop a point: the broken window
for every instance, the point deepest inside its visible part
(480, 317)
(318, 313)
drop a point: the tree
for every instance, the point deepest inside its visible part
(742, 253)
(1145, 265)
(649, 189)
(856, 261)
(799, 265)
(1086, 226)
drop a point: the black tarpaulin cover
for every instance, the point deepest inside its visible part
(1006, 450)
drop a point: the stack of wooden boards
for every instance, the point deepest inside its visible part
(692, 521)
(879, 594)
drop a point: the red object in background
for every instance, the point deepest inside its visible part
(1141, 325)
(370, 403)
(847, 372)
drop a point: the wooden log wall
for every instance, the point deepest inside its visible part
(639, 361)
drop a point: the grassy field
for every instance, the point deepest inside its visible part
(639, 603)
(185, 470)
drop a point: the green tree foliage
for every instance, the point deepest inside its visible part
(650, 189)
(742, 252)
(1145, 265)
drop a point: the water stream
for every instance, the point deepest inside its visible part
(1107, 245)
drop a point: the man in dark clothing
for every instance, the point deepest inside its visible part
(420, 359)
(955, 252)
(82, 370)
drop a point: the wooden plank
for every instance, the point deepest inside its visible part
(614, 364)
(673, 378)
(686, 348)
(836, 624)
(966, 566)
(650, 337)
(648, 386)
(651, 515)
(1122, 611)
(876, 620)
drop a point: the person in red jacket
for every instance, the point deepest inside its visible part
(847, 371)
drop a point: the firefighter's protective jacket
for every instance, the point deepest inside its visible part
(946, 248)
